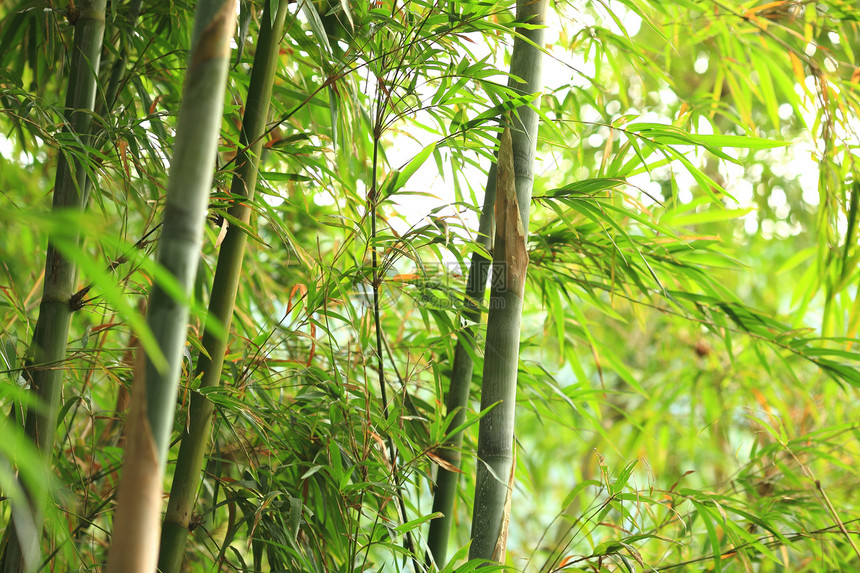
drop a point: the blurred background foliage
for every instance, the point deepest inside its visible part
(688, 360)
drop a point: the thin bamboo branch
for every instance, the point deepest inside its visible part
(373, 202)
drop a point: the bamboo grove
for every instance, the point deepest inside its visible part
(429, 285)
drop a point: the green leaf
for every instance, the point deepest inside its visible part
(399, 177)
(620, 482)
(708, 216)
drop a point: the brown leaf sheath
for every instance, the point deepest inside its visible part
(214, 42)
(510, 246)
(137, 523)
(501, 548)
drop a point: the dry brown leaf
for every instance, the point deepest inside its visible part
(443, 463)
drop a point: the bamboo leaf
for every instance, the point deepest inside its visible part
(399, 177)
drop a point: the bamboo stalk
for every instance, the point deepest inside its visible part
(457, 399)
(226, 284)
(44, 370)
(134, 546)
(514, 184)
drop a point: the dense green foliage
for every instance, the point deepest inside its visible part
(688, 357)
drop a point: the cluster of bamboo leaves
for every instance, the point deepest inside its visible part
(685, 359)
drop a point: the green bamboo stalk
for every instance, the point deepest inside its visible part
(461, 381)
(514, 184)
(134, 546)
(225, 286)
(45, 369)
(118, 67)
